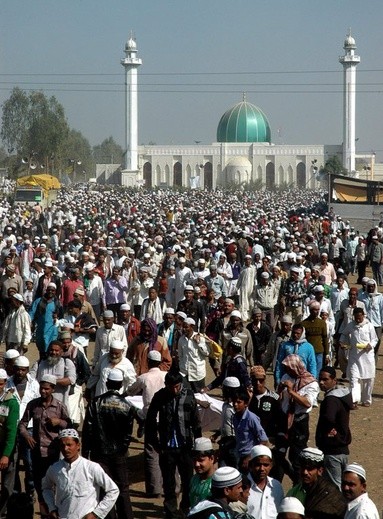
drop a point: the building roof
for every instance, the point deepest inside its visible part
(244, 122)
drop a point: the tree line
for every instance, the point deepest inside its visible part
(37, 138)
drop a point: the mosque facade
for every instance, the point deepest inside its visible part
(243, 154)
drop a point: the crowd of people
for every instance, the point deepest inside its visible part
(182, 294)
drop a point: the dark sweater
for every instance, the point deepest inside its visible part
(334, 414)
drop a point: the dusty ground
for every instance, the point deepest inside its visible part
(366, 448)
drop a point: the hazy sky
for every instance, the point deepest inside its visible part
(198, 57)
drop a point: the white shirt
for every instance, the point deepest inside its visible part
(148, 384)
(104, 338)
(192, 357)
(32, 391)
(361, 508)
(264, 504)
(102, 370)
(73, 489)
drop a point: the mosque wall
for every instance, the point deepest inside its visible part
(223, 164)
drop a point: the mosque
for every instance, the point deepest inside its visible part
(243, 153)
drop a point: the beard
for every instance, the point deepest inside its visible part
(53, 361)
(114, 360)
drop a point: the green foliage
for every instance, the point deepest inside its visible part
(334, 166)
(108, 152)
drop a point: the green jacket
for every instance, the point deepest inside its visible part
(9, 417)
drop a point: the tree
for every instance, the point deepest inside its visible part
(14, 121)
(108, 152)
(33, 126)
(74, 149)
(333, 166)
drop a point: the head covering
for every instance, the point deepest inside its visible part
(292, 505)
(52, 285)
(226, 477)
(203, 445)
(182, 315)
(125, 307)
(287, 319)
(3, 374)
(189, 320)
(80, 291)
(117, 345)
(108, 314)
(169, 311)
(356, 469)
(312, 455)
(189, 287)
(115, 375)
(232, 382)
(154, 333)
(19, 297)
(258, 372)
(303, 377)
(50, 379)
(236, 313)
(11, 354)
(260, 450)
(154, 355)
(69, 433)
(22, 362)
(236, 343)
(65, 335)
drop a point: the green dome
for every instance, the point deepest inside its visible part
(244, 122)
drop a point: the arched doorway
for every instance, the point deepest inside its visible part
(301, 175)
(148, 175)
(208, 176)
(270, 175)
(177, 173)
(281, 176)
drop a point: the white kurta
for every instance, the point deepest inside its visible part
(361, 361)
(183, 276)
(245, 285)
(361, 508)
(74, 489)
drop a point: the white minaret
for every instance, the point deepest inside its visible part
(131, 64)
(349, 62)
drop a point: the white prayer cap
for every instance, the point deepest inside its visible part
(69, 433)
(125, 307)
(169, 310)
(231, 382)
(356, 469)
(202, 445)
(11, 354)
(115, 375)
(182, 315)
(226, 477)
(50, 379)
(117, 345)
(236, 313)
(22, 362)
(189, 320)
(3, 374)
(154, 355)
(189, 287)
(292, 505)
(260, 450)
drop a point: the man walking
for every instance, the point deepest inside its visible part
(106, 436)
(333, 434)
(173, 436)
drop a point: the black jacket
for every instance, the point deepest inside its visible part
(174, 413)
(334, 414)
(108, 426)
